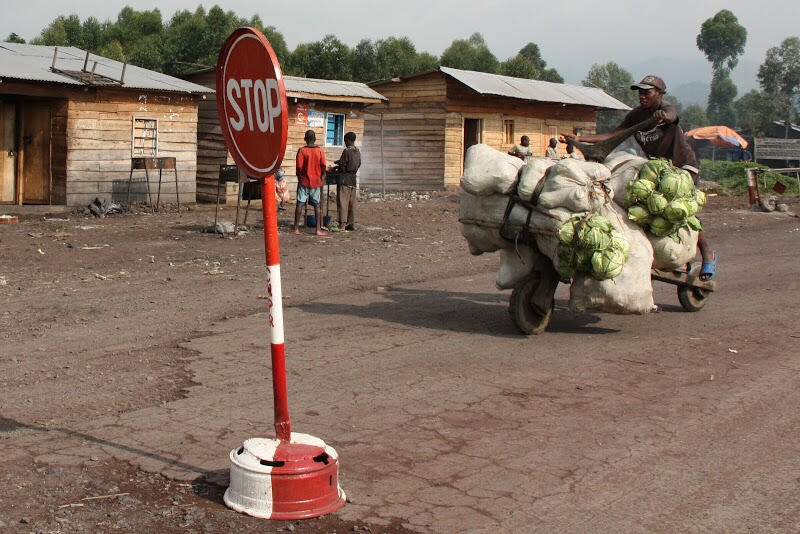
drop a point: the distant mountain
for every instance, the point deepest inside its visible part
(691, 93)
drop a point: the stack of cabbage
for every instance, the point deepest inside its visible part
(590, 245)
(607, 258)
(663, 199)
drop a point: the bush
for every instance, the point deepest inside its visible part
(732, 175)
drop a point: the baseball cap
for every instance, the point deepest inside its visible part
(650, 81)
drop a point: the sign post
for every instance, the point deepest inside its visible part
(288, 475)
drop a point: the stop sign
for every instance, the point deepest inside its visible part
(251, 102)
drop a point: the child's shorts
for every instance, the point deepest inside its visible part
(308, 194)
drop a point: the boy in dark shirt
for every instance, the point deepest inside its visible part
(347, 190)
(665, 140)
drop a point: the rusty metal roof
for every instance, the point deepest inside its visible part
(33, 63)
(534, 90)
(298, 86)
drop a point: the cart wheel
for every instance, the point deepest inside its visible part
(529, 318)
(692, 299)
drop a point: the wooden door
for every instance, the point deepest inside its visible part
(8, 153)
(35, 152)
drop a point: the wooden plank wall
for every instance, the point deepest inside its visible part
(99, 142)
(58, 151)
(414, 125)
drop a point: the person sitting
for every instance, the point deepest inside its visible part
(551, 151)
(523, 149)
(665, 140)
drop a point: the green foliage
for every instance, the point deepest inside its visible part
(732, 175)
(470, 54)
(328, 59)
(693, 117)
(721, 110)
(779, 75)
(722, 39)
(528, 63)
(617, 82)
(14, 38)
(755, 112)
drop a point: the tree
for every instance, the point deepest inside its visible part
(329, 59)
(692, 117)
(395, 57)
(14, 38)
(720, 100)
(722, 40)
(528, 63)
(755, 111)
(470, 54)
(365, 62)
(617, 82)
(779, 76)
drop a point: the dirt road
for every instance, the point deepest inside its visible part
(133, 359)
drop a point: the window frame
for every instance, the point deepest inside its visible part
(509, 137)
(138, 142)
(328, 115)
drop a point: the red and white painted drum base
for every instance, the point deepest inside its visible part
(278, 479)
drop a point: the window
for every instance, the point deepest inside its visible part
(145, 137)
(334, 130)
(508, 132)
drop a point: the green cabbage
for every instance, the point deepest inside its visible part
(630, 198)
(566, 234)
(700, 197)
(676, 211)
(598, 221)
(607, 263)
(566, 271)
(694, 223)
(639, 215)
(619, 242)
(660, 226)
(656, 202)
(669, 185)
(693, 206)
(595, 238)
(640, 189)
(648, 173)
(653, 169)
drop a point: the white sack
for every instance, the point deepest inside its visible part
(481, 217)
(488, 171)
(632, 290)
(482, 239)
(615, 159)
(669, 254)
(574, 184)
(530, 174)
(623, 174)
(516, 263)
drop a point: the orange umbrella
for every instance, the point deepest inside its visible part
(719, 136)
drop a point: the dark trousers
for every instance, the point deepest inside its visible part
(346, 204)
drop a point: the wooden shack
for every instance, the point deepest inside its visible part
(329, 107)
(72, 122)
(432, 118)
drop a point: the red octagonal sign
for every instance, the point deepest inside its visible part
(251, 102)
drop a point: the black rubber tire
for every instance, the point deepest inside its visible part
(692, 299)
(528, 318)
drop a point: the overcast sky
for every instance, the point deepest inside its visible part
(657, 37)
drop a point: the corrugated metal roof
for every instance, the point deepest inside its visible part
(33, 62)
(330, 88)
(524, 89)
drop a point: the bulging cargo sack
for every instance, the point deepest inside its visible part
(516, 263)
(670, 253)
(574, 185)
(481, 218)
(621, 175)
(632, 290)
(488, 171)
(530, 174)
(615, 159)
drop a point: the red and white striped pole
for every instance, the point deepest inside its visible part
(283, 426)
